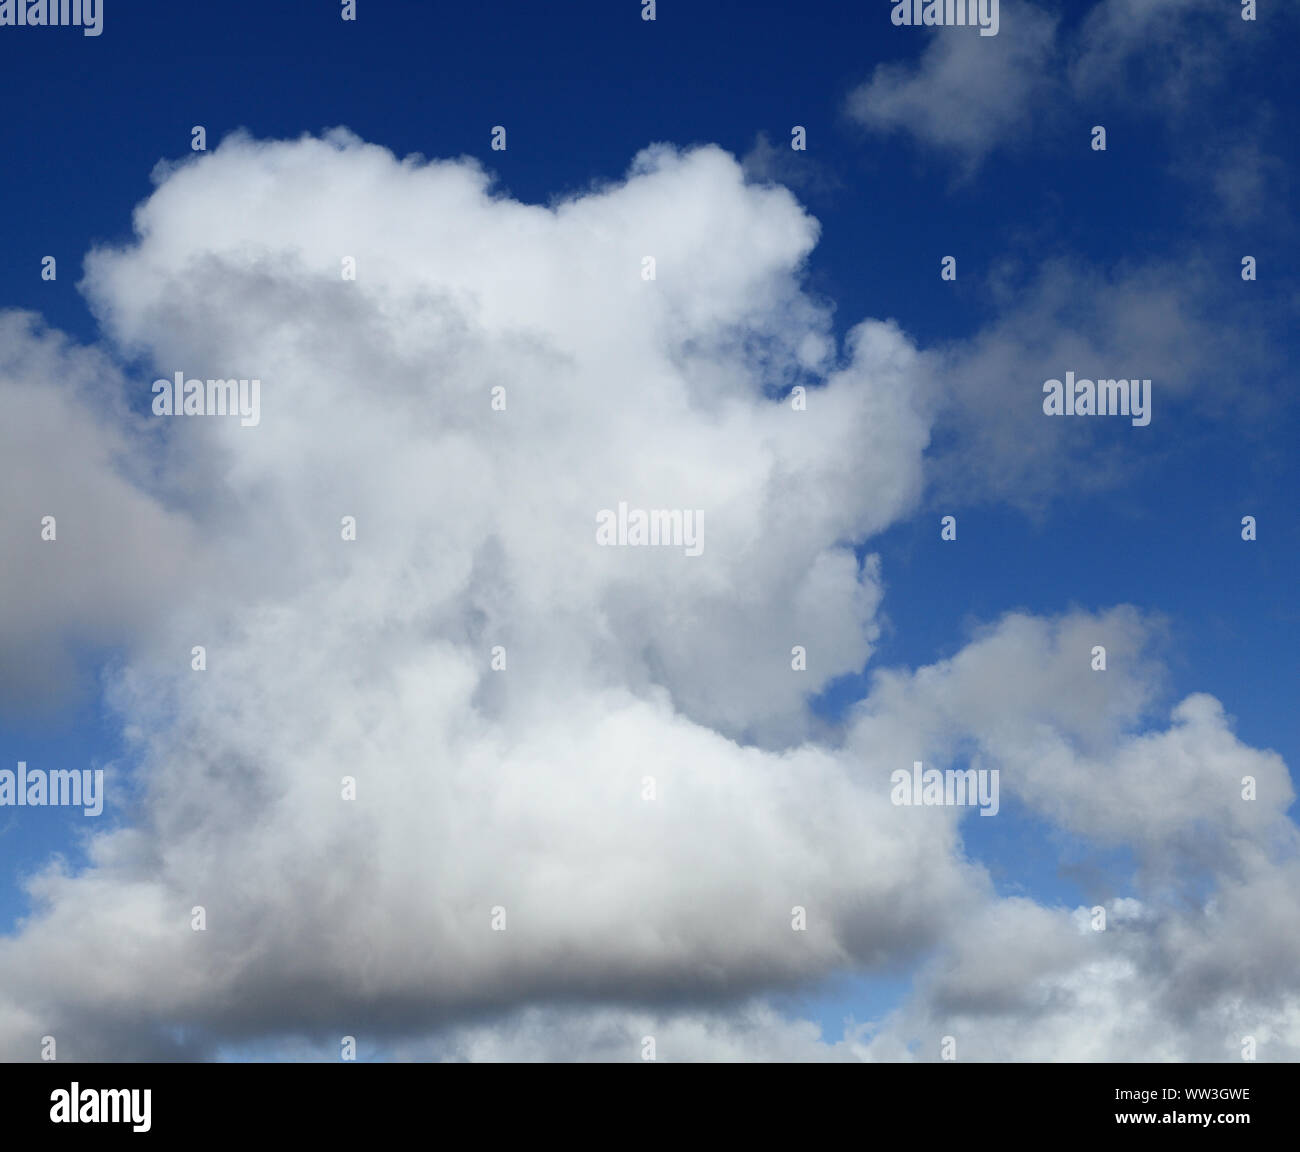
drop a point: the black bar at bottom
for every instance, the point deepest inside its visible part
(614, 1105)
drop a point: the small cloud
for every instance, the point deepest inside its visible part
(768, 163)
(968, 93)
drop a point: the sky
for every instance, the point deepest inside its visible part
(477, 783)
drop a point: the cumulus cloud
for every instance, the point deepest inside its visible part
(476, 527)
(967, 93)
(1162, 321)
(84, 537)
(525, 789)
(1166, 46)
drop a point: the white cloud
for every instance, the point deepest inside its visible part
(478, 788)
(1161, 321)
(967, 93)
(524, 788)
(1161, 44)
(70, 450)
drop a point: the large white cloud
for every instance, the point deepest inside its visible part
(525, 788)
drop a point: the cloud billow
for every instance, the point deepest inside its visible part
(523, 787)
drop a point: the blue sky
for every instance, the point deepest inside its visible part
(1050, 236)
